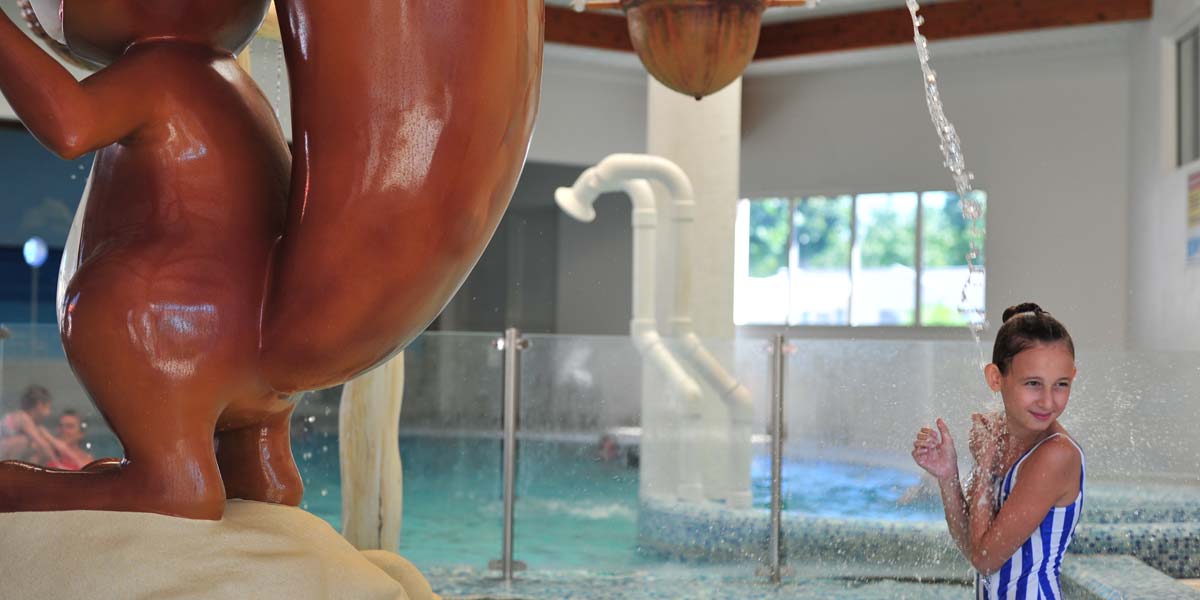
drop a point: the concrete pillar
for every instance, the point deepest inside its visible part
(704, 138)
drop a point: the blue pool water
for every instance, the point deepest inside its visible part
(572, 511)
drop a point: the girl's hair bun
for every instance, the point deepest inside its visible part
(1024, 307)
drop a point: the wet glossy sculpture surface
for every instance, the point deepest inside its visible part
(219, 273)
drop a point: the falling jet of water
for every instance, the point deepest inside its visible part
(972, 208)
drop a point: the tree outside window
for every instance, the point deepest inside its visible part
(896, 259)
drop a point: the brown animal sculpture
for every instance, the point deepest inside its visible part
(219, 274)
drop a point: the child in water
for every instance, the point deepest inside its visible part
(1023, 503)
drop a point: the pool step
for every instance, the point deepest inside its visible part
(1111, 577)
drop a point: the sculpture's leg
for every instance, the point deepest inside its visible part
(173, 472)
(256, 461)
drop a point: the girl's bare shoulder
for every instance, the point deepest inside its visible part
(1058, 455)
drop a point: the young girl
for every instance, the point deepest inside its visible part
(21, 437)
(1023, 503)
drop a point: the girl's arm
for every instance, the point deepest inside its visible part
(934, 451)
(1050, 475)
(61, 448)
(38, 438)
(956, 513)
(69, 117)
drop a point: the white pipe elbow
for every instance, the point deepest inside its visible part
(735, 395)
(650, 345)
(645, 166)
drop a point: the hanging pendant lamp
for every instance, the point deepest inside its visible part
(694, 47)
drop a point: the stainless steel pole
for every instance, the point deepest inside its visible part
(513, 344)
(777, 382)
(33, 309)
(4, 335)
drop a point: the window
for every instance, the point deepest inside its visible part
(1187, 61)
(896, 259)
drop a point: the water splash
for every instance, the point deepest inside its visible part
(972, 208)
(279, 64)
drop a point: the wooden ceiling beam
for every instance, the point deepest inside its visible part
(592, 30)
(943, 20)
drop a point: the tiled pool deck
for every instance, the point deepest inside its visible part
(1084, 578)
(1120, 578)
(701, 584)
(1159, 525)
(1134, 543)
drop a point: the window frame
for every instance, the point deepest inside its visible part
(1191, 31)
(917, 330)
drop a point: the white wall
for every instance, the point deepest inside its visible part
(593, 104)
(1164, 311)
(1044, 123)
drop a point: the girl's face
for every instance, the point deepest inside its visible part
(1037, 386)
(41, 411)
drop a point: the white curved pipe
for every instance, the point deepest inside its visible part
(674, 458)
(613, 174)
(610, 175)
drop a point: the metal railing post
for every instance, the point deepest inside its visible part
(4, 335)
(778, 367)
(512, 345)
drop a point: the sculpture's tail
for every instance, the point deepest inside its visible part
(411, 121)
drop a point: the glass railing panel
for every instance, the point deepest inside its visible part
(577, 483)
(715, 513)
(450, 447)
(854, 408)
(856, 504)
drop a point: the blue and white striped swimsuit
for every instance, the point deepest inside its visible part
(1032, 571)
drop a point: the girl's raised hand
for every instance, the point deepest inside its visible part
(985, 440)
(934, 451)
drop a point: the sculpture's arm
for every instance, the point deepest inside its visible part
(69, 117)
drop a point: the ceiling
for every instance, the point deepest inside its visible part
(842, 25)
(823, 8)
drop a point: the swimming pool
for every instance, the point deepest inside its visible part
(577, 514)
(572, 510)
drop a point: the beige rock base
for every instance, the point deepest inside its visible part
(257, 551)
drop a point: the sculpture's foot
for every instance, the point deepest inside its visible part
(114, 486)
(256, 461)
